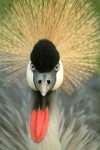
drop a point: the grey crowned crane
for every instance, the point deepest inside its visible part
(59, 41)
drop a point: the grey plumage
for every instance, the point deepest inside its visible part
(78, 118)
(72, 26)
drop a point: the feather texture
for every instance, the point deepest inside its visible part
(77, 130)
(70, 24)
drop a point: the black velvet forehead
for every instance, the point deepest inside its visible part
(44, 56)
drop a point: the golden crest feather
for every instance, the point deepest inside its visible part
(70, 24)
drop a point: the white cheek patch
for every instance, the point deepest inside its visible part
(59, 77)
(30, 76)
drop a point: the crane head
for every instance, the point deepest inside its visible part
(45, 70)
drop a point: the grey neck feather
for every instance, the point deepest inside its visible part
(51, 139)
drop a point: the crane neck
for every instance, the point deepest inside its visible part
(51, 139)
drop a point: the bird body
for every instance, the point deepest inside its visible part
(58, 40)
(75, 125)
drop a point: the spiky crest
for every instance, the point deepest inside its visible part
(70, 24)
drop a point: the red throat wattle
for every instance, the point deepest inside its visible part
(38, 124)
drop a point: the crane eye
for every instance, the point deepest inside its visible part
(32, 67)
(57, 67)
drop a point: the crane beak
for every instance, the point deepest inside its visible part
(44, 82)
(44, 88)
